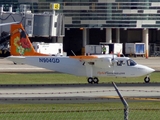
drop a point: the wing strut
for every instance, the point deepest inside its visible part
(89, 73)
(89, 70)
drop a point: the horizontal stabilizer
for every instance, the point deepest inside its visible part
(17, 59)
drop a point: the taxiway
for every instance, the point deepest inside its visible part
(75, 93)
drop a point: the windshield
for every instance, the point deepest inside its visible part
(130, 62)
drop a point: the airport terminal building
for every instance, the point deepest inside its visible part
(95, 21)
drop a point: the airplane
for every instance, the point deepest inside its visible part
(91, 66)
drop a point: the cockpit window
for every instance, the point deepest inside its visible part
(131, 62)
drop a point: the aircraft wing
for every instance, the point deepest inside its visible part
(93, 57)
(101, 61)
(3, 24)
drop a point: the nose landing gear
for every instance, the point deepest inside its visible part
(147, 79)
(92, 80)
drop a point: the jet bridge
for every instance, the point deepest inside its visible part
(46, 24)
(4, 44)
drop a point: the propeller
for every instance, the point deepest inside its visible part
(113, 59)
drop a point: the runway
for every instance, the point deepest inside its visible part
(8, 66)
(75, 93)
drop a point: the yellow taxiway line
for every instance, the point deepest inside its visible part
(132, 98)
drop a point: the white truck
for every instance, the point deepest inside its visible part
(134, 49)
(53, 49)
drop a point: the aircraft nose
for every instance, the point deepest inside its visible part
(150, 70)
(144, 70)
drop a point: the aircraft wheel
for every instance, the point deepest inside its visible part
(96, 80)
(90, 80)
(146, 79)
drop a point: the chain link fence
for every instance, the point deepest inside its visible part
(76, 107)
(83, 111)
(144, 112)
(63, 113)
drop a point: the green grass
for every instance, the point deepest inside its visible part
(59, 78)
(84, 111)
(89, 111)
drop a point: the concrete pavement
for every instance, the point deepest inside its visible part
(153, 62)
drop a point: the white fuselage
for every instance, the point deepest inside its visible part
(78, 67)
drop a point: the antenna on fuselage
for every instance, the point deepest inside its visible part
(123, 55)
(73, 53)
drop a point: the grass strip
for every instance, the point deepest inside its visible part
(60, 78)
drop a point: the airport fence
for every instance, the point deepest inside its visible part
(80, 111)
(76, 107)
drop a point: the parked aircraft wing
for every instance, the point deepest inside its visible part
(3, 24)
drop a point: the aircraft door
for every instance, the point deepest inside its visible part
(111, 70)
(119, 68)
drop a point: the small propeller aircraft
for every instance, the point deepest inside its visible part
(92, 66)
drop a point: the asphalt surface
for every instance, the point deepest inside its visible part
(83, 93)
(76, 93)
(9, 66)
(153, 62)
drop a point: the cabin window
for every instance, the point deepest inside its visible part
(120, 63)
(131, 62)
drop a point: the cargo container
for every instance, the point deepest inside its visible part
(134, 49)
(48, 48)
(95, 49)
(115, 48)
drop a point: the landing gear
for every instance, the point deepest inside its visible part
(96, 80)
(147, 79)
(93, 80)
(90, 80)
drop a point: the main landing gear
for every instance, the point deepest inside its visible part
(147, 79)
(92, 80)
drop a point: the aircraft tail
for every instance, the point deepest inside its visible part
(20, 44)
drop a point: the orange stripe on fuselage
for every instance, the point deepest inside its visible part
(84, 57)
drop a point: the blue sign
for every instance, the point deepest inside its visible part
(140, 49)
(49, 60)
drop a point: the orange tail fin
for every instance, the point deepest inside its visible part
(20, 43)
